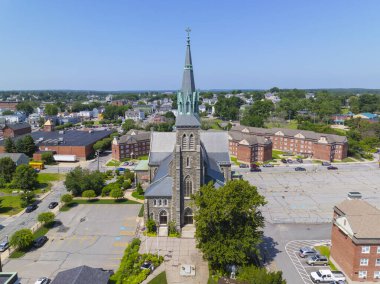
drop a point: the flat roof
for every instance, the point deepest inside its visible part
(69, 138)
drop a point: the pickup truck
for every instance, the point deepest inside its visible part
(326, 276)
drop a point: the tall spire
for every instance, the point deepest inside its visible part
(188, 85)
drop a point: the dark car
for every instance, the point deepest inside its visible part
(332, 168)
(300, 169)
(147, 265)
(326, 164)
(268, 166)
(243, 166)
(31, 208)
(39, 242)
(255, 170)
(306, 252)
(53, 205)
(284, 161)
(290, 161)
(299, 160)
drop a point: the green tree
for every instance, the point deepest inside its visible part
(21, 239)
(51, 109)
(47, 158)
(25, 178)
(128, 125)
(79, 180)
(353, 102)
(229, 223)
(7, 168)
(26, 107)
(259, 275)
(29, 146)
(27, 197)
(20, 146)
(66, 198)
(151, 226)
(89, 194)
(9, 146)
(117, 193)
(46, 217)
(7, 112)
(139, 189)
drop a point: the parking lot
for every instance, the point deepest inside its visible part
(93, 235)
(309, 197)
(303, 269)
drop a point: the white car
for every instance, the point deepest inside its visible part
(42, 280)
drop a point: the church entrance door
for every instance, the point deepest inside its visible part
(163, 217)
(188, 216)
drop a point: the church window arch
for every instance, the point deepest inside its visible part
(191, 141)
(187, 162)
(188, 186)
(163, 217)
(184, 142)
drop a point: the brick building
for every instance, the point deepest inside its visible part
(249, 148)
(327, 147)
(134, 144)
(72, 142)
(14, 129)
(355, 240)
(8, 105)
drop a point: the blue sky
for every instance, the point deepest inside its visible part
(130, 45)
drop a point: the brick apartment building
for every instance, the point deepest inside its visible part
(327, 147)
(355, 240)
(249, 148)
(14, 129)
(8, 105)
(134, 144)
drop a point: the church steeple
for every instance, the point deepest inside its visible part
(187, 98)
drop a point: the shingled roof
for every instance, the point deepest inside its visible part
(82, 275)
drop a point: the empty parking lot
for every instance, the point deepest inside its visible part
(93, 235)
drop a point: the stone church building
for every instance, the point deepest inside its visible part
(180, 162)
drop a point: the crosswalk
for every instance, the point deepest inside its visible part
(292, 249)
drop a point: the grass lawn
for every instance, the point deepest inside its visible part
(145, 157)
(141, 212)
(325, 250)
(234, 160)
(276, 154)
(46, 177)
(75, 202)
(138, 196)
(10, 205)
(113, 163)
(290, 125)
(159, 279)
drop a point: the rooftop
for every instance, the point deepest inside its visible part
(82, 274)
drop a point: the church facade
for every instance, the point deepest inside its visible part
(180, 162)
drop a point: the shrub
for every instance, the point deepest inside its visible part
(89, 194)
(139, 189)
(172, 229)
(117, 172)
(151, 226)
(109, 187)
(47, 158)
(66, 198)
(117, 193)
(126, 184)
(46, 217)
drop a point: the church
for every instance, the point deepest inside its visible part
(182, 161)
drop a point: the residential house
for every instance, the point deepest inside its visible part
(17, 158)
(134, 144)
(136, 115)
(82, 274)
(10, 130)
(367, 115)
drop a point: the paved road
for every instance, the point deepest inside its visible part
(277, 236)
(27, 220)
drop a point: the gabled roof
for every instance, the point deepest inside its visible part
(363, 218)
(14, 156)
(82, 275)
(134, 136)
(16, 126)
(161, 146)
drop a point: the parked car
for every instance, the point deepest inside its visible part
(121, 169)
(306, 252)
(39, 242)
(268, 166)
(243, 166)
(317, 260)
(354, 195)
(53, 205)
(31, 208)
(42, 280)
(255, 170)
(4, 246)
(300, 169)
(326, 164)
(327, 276)
(299, 160)
(284, 161)
(290, 161)
(332, 168)
(147, 265)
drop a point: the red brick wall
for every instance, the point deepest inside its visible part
(244, 154)
(9, 132)
(139, 149)
(267, 153)
(322, 152)
(2, 149)
(8, 105)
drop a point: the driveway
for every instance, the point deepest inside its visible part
(99, 240)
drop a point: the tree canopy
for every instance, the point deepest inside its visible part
(79, 180)
(25, 177)
(229, 223)
(21, 239)
(7, 168)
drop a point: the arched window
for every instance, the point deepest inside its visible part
(187, 162)
(188, 187)
(184, 142)
(163, 217)
(187, 107)
(191, 141)
(188, 216)
(151, 216)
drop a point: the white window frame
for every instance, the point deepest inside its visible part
(364, 261)
(378, 249)
(376, 275)
(364, 249)
(165, 202)
(377, 263)
(159, 202)
(362, 274)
